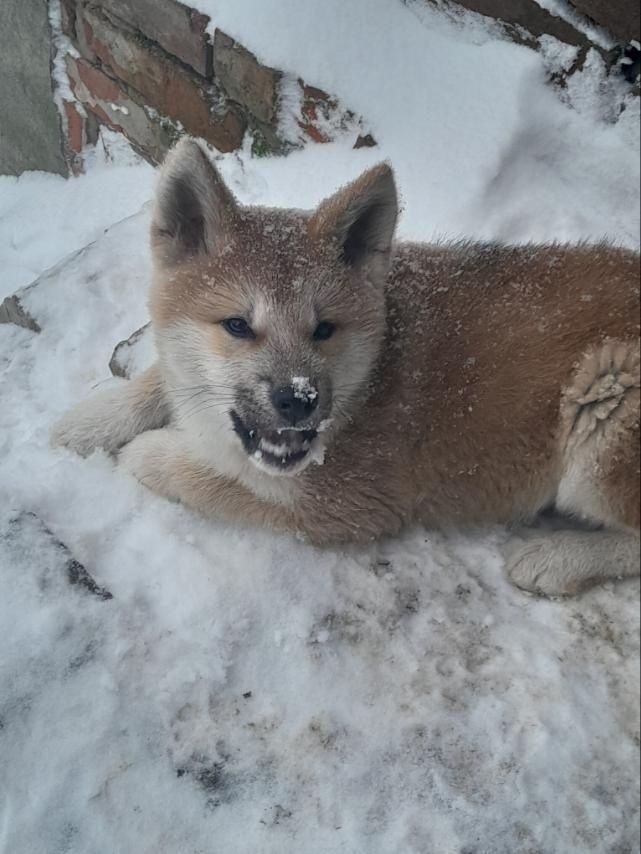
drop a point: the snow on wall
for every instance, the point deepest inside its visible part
(446, 104)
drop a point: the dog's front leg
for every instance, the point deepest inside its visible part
(114, 417)
(160, 460)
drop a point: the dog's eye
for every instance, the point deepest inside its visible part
(324, 331)
(238, 327)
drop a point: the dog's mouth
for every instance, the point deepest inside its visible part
(280, 450)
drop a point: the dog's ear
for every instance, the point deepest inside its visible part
(360, 219)
(194, 212)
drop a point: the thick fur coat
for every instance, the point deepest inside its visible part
(317, 378)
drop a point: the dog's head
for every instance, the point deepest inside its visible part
(268, 322)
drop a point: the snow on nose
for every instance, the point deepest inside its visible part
(296, 402)
(304, 390)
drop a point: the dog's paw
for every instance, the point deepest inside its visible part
(542, 567)
(150, 458)
(102, 422)
(80, 434)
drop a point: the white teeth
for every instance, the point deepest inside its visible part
(274, 450)
(282, 451)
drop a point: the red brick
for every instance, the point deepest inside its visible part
(112, 106)
(97, 83)
(162, 83)
(68, 17)
(316, 105)
(313, 133)
(178, 29)
(75, 127)
(245, 79)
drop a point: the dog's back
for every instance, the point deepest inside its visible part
(486, 346)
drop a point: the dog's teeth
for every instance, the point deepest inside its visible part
(274, 450)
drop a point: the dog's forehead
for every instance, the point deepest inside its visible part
(275, 249)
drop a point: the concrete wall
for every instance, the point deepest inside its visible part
(30, 135)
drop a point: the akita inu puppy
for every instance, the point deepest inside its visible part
(315, 378)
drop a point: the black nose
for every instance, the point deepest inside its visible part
(294, 404)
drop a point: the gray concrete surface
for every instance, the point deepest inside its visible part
(30, 135)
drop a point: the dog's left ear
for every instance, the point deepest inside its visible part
(360, 220)
(194, 212)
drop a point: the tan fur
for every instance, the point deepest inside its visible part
(499, 380)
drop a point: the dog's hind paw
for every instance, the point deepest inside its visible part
(546, 566)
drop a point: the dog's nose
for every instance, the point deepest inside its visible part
(294, 404)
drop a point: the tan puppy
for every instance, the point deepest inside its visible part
(315, 378)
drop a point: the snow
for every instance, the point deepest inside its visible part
(446, 104)
(242, 692)
(62, 46)
(303, 389)
(45, 217)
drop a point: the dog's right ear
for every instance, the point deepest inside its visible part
(194, 212)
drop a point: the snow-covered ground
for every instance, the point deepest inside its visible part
(44, 217)
(243, 693)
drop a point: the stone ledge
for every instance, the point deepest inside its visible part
(12, 311)
(134, 354)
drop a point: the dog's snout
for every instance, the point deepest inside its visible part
(294, 405)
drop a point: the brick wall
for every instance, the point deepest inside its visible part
(527, 19)
(149, 69)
